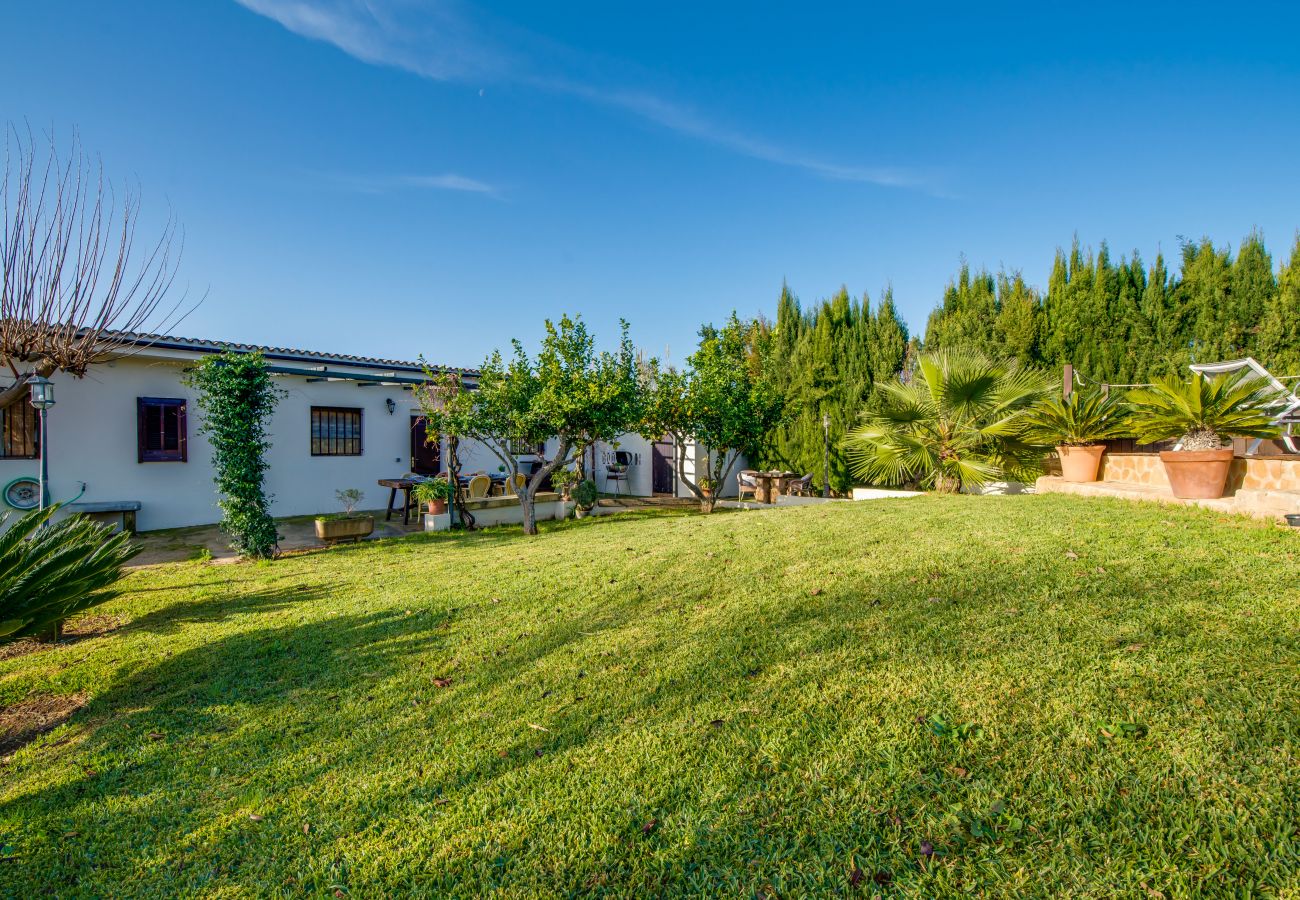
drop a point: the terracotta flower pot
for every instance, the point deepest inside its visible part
(1080, 463)
(437, 507)
(1197, 474)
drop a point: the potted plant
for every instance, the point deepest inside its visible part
(1202, 413)
(435, 494)
(706, 486)
(1076, 426)
(347, 525)
(563, 480)
(585, 496)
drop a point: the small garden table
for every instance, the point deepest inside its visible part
(770, 485)
(405, 485)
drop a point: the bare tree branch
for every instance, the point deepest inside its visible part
(73, 287)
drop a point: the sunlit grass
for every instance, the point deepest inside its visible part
(931, 697)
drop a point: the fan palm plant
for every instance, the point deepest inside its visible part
(958, 422)
(1205, 411)
(49, 573)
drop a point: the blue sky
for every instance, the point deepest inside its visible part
(397, 177)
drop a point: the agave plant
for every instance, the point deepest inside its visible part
(1085, 417)
(49, 571)
(1204, 411)
(959, 422)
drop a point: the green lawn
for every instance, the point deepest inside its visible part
(932, 697)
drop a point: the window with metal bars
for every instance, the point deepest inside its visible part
(335, 431)
(18, 430)
(161, 429)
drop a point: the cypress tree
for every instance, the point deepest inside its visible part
(1279, 331)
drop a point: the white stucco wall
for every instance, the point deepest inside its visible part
(92, 437)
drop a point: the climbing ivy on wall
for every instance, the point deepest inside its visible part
(237, 397)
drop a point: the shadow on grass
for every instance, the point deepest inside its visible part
(282, 717)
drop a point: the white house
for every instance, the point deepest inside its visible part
(128, 432)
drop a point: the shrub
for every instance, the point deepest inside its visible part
(49, 573)
(585, 494)
(237, 397)
(1204, 411)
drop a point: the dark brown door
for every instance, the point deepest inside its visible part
(425, 458)
(661, 466)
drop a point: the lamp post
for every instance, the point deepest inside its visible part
(826, 454)
(42, 399)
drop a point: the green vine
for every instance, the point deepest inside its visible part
(237, 397)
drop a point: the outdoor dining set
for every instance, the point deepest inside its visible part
(766, 486)
(477, 485)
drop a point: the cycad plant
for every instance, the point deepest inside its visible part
(49, 571)
(960, 422)
(1205, 411)
(1085, 417)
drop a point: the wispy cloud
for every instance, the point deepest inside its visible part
(383, 184)
(440, 41)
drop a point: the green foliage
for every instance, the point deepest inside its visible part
(1204, 411)
(724, 401)
(585, 494)
(434, 489)
(823, 364)
(49, 571)
(1087, 416)
(349, 498)
(237, 397)
(1124, 323)
(1279, 332)
(567, 398)
(564, 479)
(959, 422)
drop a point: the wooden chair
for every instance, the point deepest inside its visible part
(515, 483)
(745, 481)
(479, 486)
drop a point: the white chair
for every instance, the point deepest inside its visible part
(746, 482)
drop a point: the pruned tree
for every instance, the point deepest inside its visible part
(73, 283)
(724, 403)
(566, 398)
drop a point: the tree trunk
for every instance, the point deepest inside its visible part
(706, 502)
(530, 515)
(528, 496)
(453, 471)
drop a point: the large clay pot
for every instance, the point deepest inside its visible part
(1080, 463)
(1197, 474)
(437, 507)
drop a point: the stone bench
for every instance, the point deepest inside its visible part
(126, 509)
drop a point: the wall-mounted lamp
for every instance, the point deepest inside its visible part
(392, 407)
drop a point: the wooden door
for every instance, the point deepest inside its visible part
(426, 459)
(661, 466)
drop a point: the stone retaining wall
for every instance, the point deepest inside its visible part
(1259, 473)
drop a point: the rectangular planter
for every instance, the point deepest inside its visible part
(348, 529)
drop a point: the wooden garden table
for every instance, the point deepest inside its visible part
(405, 485)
